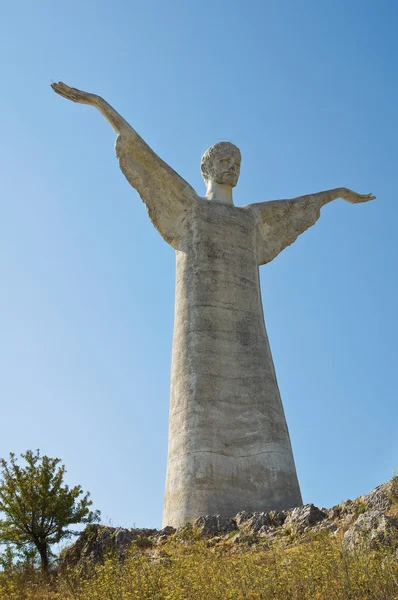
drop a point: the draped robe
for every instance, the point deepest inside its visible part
(229, 447)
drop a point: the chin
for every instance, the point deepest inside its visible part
(228, 180)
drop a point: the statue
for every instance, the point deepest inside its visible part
(229, 446)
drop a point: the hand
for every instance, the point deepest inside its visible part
(74, 94)
(355, 198)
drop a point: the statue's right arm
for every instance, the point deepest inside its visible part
(280, 222)
(166, 195)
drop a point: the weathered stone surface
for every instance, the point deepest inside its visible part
(165, 533)
(344, 509)
(303, 517)
(325, 525)
(260, 522)
(229, 446)
(374, 528)
(382, 496)
(210, 526)
(242, 517)
(96, 541)
(256, 522)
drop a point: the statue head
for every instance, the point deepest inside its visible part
(221, 164)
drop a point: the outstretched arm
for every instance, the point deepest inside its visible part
(280, 222)
(116, 121)
(167, 195)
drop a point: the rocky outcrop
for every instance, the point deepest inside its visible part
(303, 517)
(374, 528)
(370, 519)
(210, 526)
(98, 541)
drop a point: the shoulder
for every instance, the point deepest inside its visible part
(261, 211)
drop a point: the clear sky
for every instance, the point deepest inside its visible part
(308, 91)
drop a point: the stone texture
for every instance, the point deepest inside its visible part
(229, 446)
(303, 517)
(382, 497)
(210, 526)
(260, 521)
(374, 528)
(96, 541)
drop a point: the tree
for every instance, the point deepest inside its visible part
(38, 507)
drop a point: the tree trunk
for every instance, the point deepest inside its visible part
(43, 551)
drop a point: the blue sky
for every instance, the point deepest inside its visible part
(308, 91)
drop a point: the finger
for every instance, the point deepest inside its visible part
(58, 87)
(64, 88)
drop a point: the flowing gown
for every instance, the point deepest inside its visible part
(229, 446)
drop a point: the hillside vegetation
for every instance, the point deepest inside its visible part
(347, 552)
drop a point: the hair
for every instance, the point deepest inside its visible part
(218, 150)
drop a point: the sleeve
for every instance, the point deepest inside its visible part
(168, 197)
(280, 222)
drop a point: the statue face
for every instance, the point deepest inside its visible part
(221, 164)
(227, 170)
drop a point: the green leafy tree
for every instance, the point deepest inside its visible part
(38, 507)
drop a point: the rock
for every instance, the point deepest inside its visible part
(164, 534)
(302, 517)
(374, 528)
(256, 522)
(242, 517)
(325, 525)
(346, 508)
(268, 535)
(277, 517)
(96, 541)
(123, 537)
(210, 526)
(362, 520)
(382, 496)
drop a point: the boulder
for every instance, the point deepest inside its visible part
(303, 517)
(96, 541)
(257, 521)
(382, 497)
(210, 526)
(165, 533)
(374, 528)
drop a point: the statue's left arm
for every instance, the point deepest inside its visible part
(280, 222)
(167, 196)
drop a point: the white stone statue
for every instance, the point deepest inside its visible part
(229, 446)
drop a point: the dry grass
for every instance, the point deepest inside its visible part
(318, 569)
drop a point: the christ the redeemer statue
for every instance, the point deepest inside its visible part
(229, 446)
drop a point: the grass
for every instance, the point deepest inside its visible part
(316, 569)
